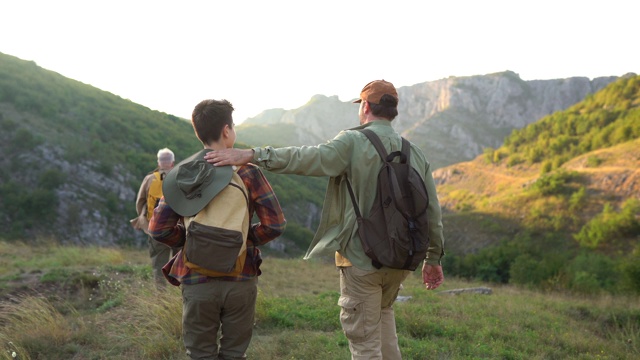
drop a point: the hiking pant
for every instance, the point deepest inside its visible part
(367, 318)
(214, 305)
(160, 255)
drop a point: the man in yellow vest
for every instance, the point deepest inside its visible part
(148, 198)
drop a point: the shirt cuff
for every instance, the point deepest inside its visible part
(261, 157)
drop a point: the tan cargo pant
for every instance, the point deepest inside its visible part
(216, 305)
(367, 318)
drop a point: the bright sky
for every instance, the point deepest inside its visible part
(169, 55)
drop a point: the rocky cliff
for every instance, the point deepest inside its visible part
(451, 119)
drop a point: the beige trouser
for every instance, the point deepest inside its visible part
(215, 305)
(367, 318)
(160, 255)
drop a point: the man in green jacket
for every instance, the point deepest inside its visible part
(367, 293)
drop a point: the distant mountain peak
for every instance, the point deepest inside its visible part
(451, 119)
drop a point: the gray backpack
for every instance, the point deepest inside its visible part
(396, 232)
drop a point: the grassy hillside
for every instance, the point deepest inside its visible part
(41, 106)
(74, 157)
(96, 303)
(606, 118)
(558, 205)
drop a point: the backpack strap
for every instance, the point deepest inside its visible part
(396, 191)
(406, 150)
(375, 140)
(377, 143)
(413, 229)
(353, 199)
(404, 159)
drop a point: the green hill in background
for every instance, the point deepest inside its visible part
(604, 119)
(42, 107)
(74, 157)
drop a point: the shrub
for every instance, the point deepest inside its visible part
(489, 154)
(524, 270)
(577, 199)
(25, 140)
(593, 161)
(558, 161)
(514, 160)
(630, 271)
(24, 208)
(535, 155)
(499, 154)
(490, 264)
(546, 167)
(591, 272)
(554, 183)
(51, 179)
(527, 259)
(299, 234)
(609, 226)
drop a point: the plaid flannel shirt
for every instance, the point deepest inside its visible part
(166, 226)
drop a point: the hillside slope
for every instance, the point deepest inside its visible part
(74, 157)
(484, 204)
(555, 175)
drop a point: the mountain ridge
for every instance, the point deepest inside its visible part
(451, 119)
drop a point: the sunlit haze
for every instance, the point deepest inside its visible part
(169, 55)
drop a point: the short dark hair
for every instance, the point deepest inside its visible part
(209, 118)
(387, 108)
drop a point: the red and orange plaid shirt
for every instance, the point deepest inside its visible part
(166, 226)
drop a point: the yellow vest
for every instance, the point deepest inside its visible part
(154, 195)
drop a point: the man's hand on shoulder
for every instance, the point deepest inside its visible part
(229, 157)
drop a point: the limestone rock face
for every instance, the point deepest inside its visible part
(451, 119)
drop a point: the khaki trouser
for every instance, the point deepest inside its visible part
(367, 318)
(160, 255)
(215, 305)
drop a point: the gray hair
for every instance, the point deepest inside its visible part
(165, 157)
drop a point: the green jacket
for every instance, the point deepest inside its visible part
(351, 155)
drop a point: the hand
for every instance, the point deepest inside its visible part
(229, 157)
(140, 223)
(432, 276)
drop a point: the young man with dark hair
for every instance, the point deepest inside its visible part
(211, 303)
(367, 292)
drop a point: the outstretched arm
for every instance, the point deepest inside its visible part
(432, 276)
(229, 157)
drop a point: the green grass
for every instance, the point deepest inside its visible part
(121, 315)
